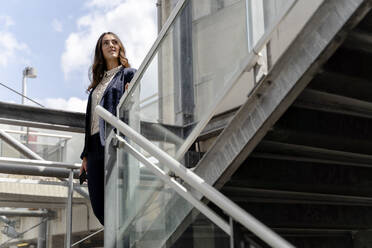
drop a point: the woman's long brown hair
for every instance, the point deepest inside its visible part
(99, 63)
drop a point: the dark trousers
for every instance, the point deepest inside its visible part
(96, 169)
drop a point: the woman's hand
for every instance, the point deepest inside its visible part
(126, 86)
(84, 166)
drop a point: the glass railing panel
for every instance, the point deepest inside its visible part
(51, 145)
(146, 210)
(205, 51)
(147, 213)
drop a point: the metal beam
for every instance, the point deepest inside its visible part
(311, 216)
(31, 170)
(41, 182)
(359, 40)
(341, 83)
(302, 153)
(26, 213)
(33, 162)
(15, 200)
(243, 194)
(41, 117)
(327, 102)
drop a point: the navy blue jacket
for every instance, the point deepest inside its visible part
(109, 101)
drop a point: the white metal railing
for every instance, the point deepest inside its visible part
(42, 164)
(33, 162)
(228, 206)
(181, 190)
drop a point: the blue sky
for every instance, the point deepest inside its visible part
(58, 38)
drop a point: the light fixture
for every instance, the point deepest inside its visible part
(29, 72)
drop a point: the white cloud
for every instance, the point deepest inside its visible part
(9, 45)
(104, 3)
(6, 21)
(57, 25)
(72, 104)
(133, 21)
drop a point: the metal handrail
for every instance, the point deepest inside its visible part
(224, 203)
(33, 162)
(181, 190)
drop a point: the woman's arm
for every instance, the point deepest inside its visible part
(87, 128)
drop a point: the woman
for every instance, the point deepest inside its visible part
(111, 74)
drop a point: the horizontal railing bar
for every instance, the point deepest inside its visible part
(26, 213)
(33, 162)
(232, 209)
(182, 191)
(52, 135)
(55, 127)
(40, 182)
(29, 170)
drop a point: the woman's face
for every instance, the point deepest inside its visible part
(110, 47)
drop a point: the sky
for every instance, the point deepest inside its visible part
(58, 38)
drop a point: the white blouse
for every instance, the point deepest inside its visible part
(97, 96)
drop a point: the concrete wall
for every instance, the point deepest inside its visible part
(282, 38)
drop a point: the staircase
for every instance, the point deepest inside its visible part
(295, 155)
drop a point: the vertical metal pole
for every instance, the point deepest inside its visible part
(23, 88)
(69, 209)
(23, 98)
(42, 238)
(231, 221)
(248, 12)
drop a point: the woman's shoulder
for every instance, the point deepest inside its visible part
(129, 70)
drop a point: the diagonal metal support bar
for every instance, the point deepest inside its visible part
(24, 150)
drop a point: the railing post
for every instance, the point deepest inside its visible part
(231, 222)
(69, 209)
(42, 237)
